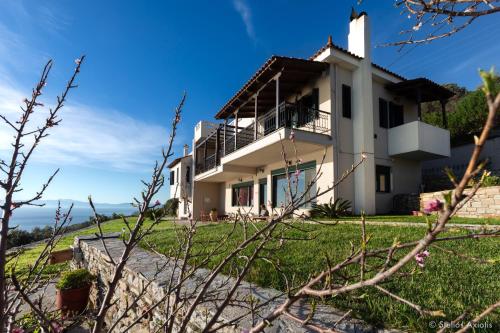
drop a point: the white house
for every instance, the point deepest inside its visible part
(181, 176)
(339, 105)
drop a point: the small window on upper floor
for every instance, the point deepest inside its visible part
(396, 115)
(346, 101)
(172, 177)
(383, 113)
(188, 174)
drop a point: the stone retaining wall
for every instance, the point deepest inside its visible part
(141, 270)
(486, 202)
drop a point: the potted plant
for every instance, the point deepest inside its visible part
(213, 215)
(73, 290)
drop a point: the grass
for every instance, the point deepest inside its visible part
(448, 282)
(421, 219)
(29, 255)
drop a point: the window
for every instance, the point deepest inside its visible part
(188, 174)
(383, 178)
(262, 192)
(396, 117)
(383, 113)
(300, 181)
(346, 101)
(172, 177)
(242, 194)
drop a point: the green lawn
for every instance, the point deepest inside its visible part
(421, 219)
(448, 282)
(29, 256)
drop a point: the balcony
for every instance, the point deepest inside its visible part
(418, 141)
(229, 143)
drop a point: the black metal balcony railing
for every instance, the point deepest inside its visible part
(226, 139)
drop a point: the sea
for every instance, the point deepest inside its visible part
(27, 218)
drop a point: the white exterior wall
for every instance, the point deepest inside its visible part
(405, 174)
(351, 137)
(327, 178)
(181, 189)
(345, 136)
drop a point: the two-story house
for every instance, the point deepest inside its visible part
(181, 184)
(338, 106)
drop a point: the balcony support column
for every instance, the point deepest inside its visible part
(205, 157)
(443, 113)
(419, 105)
(277, 79)
(236, 130)
(217, 145)
(256, 97)
(224, 135)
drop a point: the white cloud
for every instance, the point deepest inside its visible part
(88, 136)
(246, 15)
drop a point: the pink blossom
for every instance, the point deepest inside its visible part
(157, 203)
(297, 173)
(433, 206)
(57, 327)
(420, 258)
(17, 330)
(78, 61)
(292, 136)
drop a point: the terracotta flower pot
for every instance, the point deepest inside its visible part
(72, 300)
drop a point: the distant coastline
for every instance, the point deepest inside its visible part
(28, 218)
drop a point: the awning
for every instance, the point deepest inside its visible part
(420, 90)
(295, 73)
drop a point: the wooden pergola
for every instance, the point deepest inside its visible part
(422, 90)
(278, 78)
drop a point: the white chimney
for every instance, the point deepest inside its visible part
(358, 40)
(186, 150)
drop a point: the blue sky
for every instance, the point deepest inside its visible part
(141, 57)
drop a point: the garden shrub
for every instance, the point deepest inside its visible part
(78, 278)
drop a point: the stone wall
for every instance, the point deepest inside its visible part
(405, 203)
(140, 277)
(486, 202)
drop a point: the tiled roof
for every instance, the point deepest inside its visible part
(270, 68)
(330, 44)
(177, 160)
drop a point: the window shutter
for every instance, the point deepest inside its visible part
(383, 114)
(346, 101)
